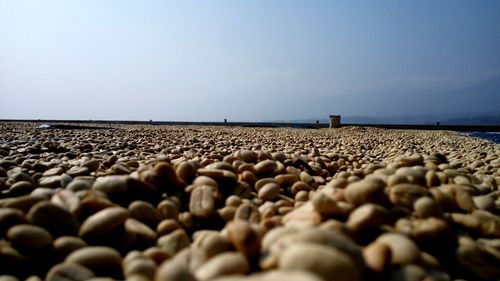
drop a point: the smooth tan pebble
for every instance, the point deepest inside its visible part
(111, 184)
(142, 232)
(173, 270)
(425, 207)
(167, 226)
(325, 204)
(144, 212)
(10, 217)
(265, 167)
(76, 171)
(365, 191)
(166, 174)
(186, 171)
(367, 216)
(53, 218)
(273, 275)
(286, 179)
(156, 254)
(247, 212)
(50, 181)
(79, 184)
(8, 278)
(140, 266)
(21, 188)
(377, 256)
(29, 238)
(69, 272)
(269, 191)
(212, 244)
(409, 272)
(228, 263)
(64, 245)
(68, 200)
(243, 238)
(405, 194)
(103, 221)
(99, 259)
(204, 180)
(201, 202)
(403, 249)
(24, 203)
(174, 241)
(323, 261)
(91, 164)
(246, 155)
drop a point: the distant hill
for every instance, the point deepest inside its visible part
(429, 119)
(476, 120)
(476, 104)
(481, 98)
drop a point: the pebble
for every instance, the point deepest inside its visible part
(367, 216)
(69, 272)
(377, 256)
(295, 275)
(201, 202)
(425, 207)
(76, 171)
(92, 165)
(103, 221)
(478, 260)
(186, 171)
(64, 245)
(403, 249)
(322, 261)
(173, 242)
(405, 194)
(53, 218)
(144, 212)
(174, 270)
(29, 238)
(110, 184)
(67, 200)
(142, 266)
(50, 181)
(265, 167)
(143, 233)
(21, 188)
(229, 263)
(10, 217)
(269, 191)
(365, 191)
(99, 259)
(244, 238)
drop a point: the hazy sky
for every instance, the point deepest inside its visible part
(241, 60)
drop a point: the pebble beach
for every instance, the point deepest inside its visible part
(145, 202)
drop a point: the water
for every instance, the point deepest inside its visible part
(491, 136)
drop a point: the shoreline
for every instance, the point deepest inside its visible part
(443, 127)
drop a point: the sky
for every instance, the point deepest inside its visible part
(240, 60)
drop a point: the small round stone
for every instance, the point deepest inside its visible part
(325, 262)
(99, 259)
(103, 221)
(403, 249)
(29, 238)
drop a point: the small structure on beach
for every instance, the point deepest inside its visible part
(334, 121)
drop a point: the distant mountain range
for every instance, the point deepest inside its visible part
(410, 120)
(476, 104)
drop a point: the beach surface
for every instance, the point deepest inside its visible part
(146, 202)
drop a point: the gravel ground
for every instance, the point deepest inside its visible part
(227, 203)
